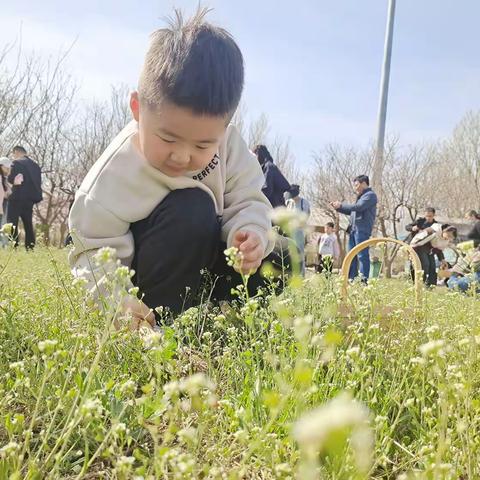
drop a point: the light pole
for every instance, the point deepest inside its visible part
(382, 109)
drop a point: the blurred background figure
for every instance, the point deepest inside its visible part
(275, 183)
(294, 201)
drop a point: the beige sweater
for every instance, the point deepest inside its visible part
(122, 188)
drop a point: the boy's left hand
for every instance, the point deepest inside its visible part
(250, 246)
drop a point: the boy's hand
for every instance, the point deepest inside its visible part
(250, 246)
(138, 312)
(335, 205)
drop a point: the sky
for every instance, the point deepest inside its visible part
(312, 66)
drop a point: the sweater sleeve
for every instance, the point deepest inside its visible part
(245, 206)
(92, 227)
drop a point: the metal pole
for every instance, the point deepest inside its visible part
(382, 110)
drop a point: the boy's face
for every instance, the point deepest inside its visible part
(175, 140)
(328, 229)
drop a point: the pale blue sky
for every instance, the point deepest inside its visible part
(313, 66)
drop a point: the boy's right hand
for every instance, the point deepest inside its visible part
(137, 311)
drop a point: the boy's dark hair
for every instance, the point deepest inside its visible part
(262, 153)
(330, 224)
(430, 210)
(362, 179)
(19, 149)
(193, 64)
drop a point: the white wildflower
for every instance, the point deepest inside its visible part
(91, 408)
(431, 348)
(7, 229)
(20, 365)
(47, 346)
(171, 388)
(152, 339)
(289, 220)
(195, 383)
(128, 387)
(187, 435)
(409, 402)
(80, 281)
(124, 463)
(342, 412)
(302, 326)
(353, 352)
(105, 255)
(8, 449)
(119, 428)
(233, 256)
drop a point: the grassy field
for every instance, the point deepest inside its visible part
(275, 388)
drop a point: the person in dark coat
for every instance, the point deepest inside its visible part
(275, 183)
(474, 233)
(426, 252)
(25, 177)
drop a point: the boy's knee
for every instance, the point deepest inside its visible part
(194, 213)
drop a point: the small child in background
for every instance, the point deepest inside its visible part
(328, 249)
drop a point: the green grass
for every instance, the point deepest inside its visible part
(215, 395)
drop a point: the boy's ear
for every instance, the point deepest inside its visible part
(135, 105)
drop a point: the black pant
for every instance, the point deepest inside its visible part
(22, 209)
(174, 243)
(427, 259)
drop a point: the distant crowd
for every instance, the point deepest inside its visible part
(426, 235)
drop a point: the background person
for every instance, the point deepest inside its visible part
(474, 233)
(425, 249)
(275, 184)
(294, 201)
(25, 177)
(328, 249)
(362, 218)
(5, 189)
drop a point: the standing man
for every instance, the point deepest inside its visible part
(426, 252)
(25, 177)
(362, 218)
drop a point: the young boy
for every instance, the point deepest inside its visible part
(328, 249)
(178, 185)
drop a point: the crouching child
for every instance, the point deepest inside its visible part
(178, 184)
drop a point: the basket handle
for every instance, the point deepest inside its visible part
(417, 266)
